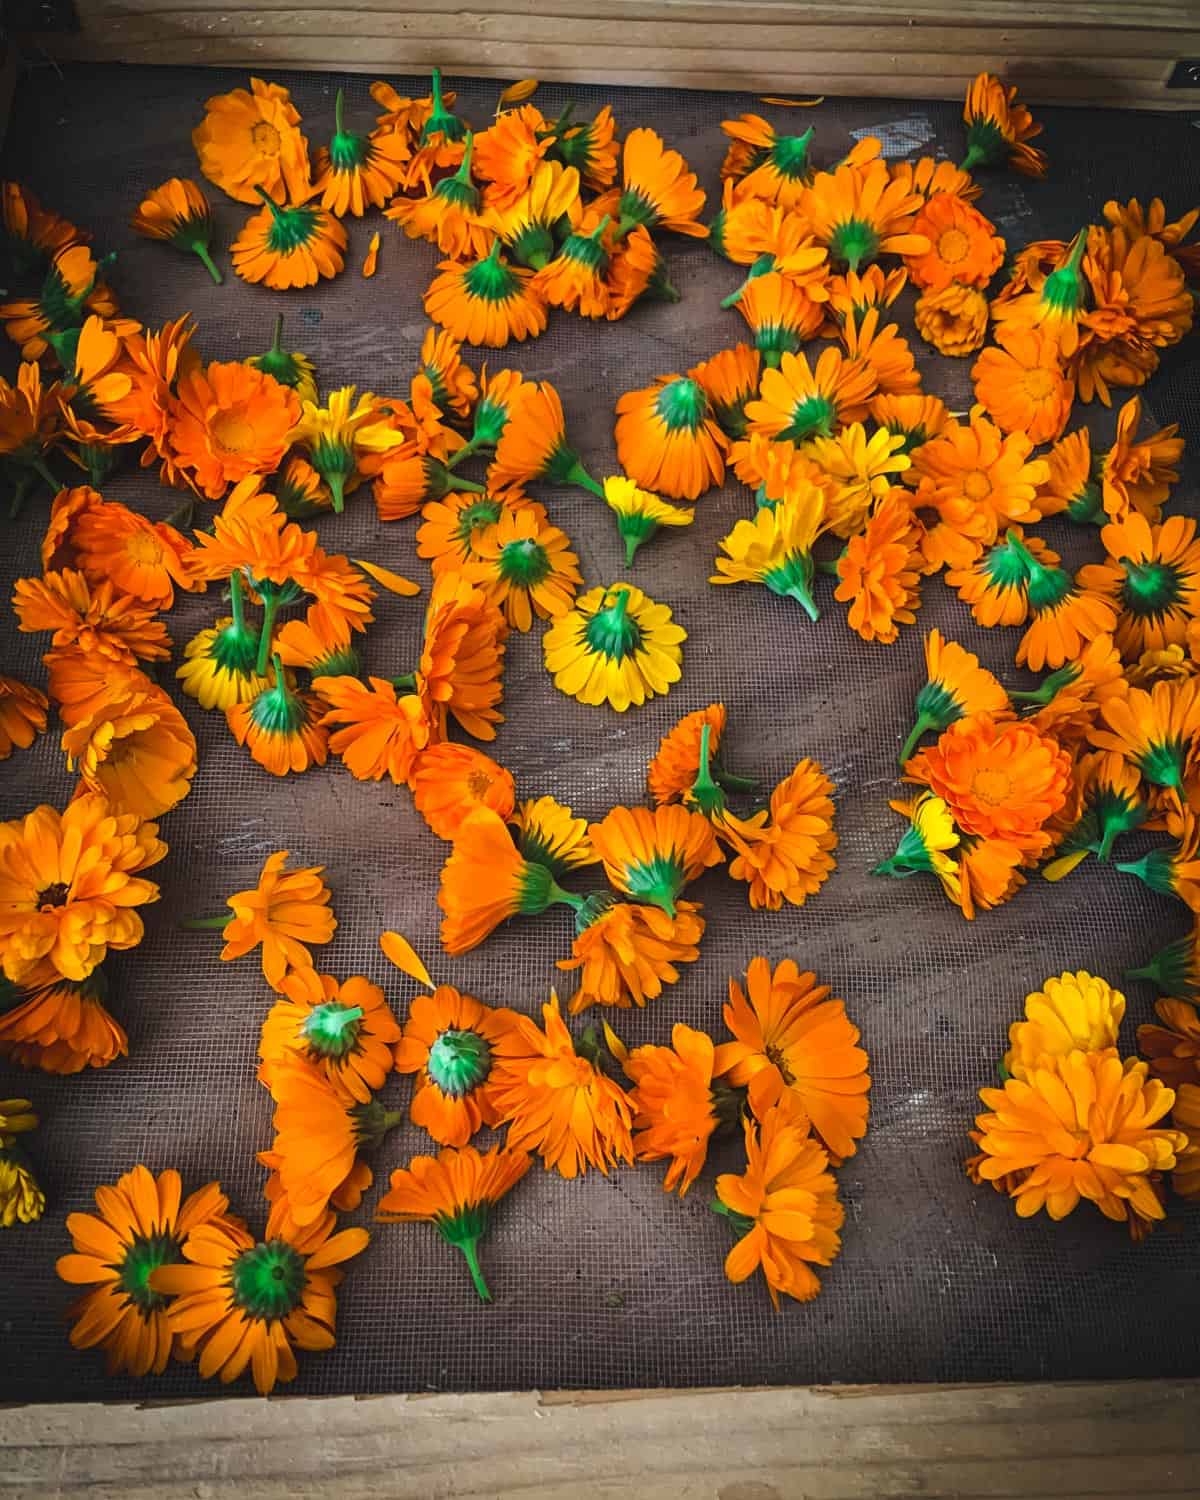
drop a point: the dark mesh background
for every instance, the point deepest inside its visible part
(604, 1282)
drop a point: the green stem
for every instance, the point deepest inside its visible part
(205, 924)
(973, 158)
(38, 465)
(923, 723)
(464, 170)
(207, 261)
(579, 476)
(468, 1249)
(735, 296)
(469, 486)
(276, 211)
(337, 111)
(706, 794)
(559, 897)
(407, 682)
(472, 445)
(733, 783)
(237, 606)
(829, 566)
(270, 610)
(336, 481)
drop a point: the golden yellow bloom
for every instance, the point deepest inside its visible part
(335, 434)
(775, 549)
(862, 469)
(1072, 1012)
(639, 513)
(616, 646)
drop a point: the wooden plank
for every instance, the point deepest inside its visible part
(1021, 1442)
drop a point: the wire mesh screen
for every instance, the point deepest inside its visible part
(604, 1282)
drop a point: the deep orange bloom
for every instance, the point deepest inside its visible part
(676, 763)
(101, 620)
(228, 421)
(953, 319)
(252, 140)
(22, 715)
(462, 658)
(357, 172)
(526, 566)
(107, 540)
(284, 912)
(1022, 385)
(384, 730)
(487, 301)
(676, 1106)
(1152, 576)
(880, 572)
(1138, 474)
(799, 401)
(658, 190)
(136, 750)
(486, 880)
(347, 1031)
(63, 1027)
(999, 129)
(282, 728)
(996, 582)
(784, 852)
(667, 439)
(450, 781)
(289, 247)
(651, 856)
(627, 952)
(153, 362)
(963, 245)
(1173, 1048)
(859, 212)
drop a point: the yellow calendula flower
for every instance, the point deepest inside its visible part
(288, 366)
(616, 646)
(1071, 1012)
(336, 433)
(218, 669)
(639, 513)
(863, 470)
(775, 549)
(548, 833)
(21, 1199)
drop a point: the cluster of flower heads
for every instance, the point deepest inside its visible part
(1072, 1119)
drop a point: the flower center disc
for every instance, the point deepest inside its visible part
(952, 246)
(265, 138)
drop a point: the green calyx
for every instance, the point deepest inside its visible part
(1150, 590)
(911, 857)
(775, 340)
(372, 1122)
(490, 280)
(657, 881)
(610, 632)
(459, 189)
(632, 210)
(471, 518)
(592, 908)
(267, 1282)
(854, 242)
(441, 121)
(682, 405)
(588, 249)
(1163, 763)
(705, 795)
(60, 307)
(347, 151)
(279, 362)
(987, 146)
(739, 1223)
(459, 1061)
(291, 228)
(1113, 814)
(523, 562)
(793, 579)
(533, 246)
(759, 267)
(1047, 587)
(1063, 290)
(539, 891)
(815, 416)
(635, 528)
(143, 1257)
(1087, 508)
(937, 708)
(1172, 971)
(1155, 869)
(464, 1230)
(439, 481)
(278, 710)
(332, 1029)
(490, 421)
(789, 155)
(716, 234)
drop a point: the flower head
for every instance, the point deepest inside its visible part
(1064, 613)
(384, 730)
(880, 573)
(651, 856)
(249, 140)
(999, 129)
(676, 763)
(62, 1027)
(548, 833)
(575, 279)
(219, 669)
(953, 319)
(1152, 576)
(1138, 473)
(780, 315)
(1072, 1012)
(774, 548)
(486, 301)
(347, 1031)
(106, 540)
(616, 646)
(450, 781)
(533, 443)
(626, 953)
(282, 728)
(785, 851)
(1155, 730)
(450, 215)
(1107, 802)
(798, 401)
(290, 368)
(136, 751)
(1020, 382)
(859, 212)
(963, 245)
(1173, 1048)
(639, 514)
(678, 1105)
(178, 212)
(289, 247)
(729, 380)
(955, 687)
(23, 712)
(284, 913)
(462, 657)
(358, 172)
(591, 148)
(667, 439)
(486, 880)
(658, 190)
(526, 566)
(338, 432)
(91, 619)
(228, 422)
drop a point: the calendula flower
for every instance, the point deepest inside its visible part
(781, 471)
(107, 540)
(1083, 1125)
(861, 471)
(289, 367)
(407, 481)
(450, 1041)
(70, 884)
(29, 419)
(729, 380)
(63, 1027)
(999, 129)
(754, 143)
(557, 1101)
(80, 683)
(775, 549)
(92, 392)
(667, 439)
(1022, 385)
(616, 646)
(1138, 475)
(116, 626)
(450, 526)
(219, 669)
(1063, 615)
(1070, 1013)
(1152, 576)
(1173, 871)
(452, 381)
(1173, 1049)
(636, 272)
(784, 852)
(676, 762)
(784, 1207)
(455, 1192)
(526, 566)
(780, 315)
(239, 1304)
(510, 151)
(658, 190)
(914, 419)
(677, 1103)
(136, 751)
(1072, 487)
(338, 432)
(791, 1038)
(963, 244)
(927, 845)
(21, 1199)
(383, 730)
(152, 361)
(29, 233)
(858, 212)
(449, 216)
(358, 172)
(252, 140)
(485, 302)
(628, 952)
(592, 148)
(548, 833)
(954, 319)
(450, 781)
(178, 212)
(799, 401)
(282, 727)
(1069, 700)
(1175, 969)
(23, 711)
(878, 347)
(639, 514)
(229, 421)
(1108, 791)
(486, 880)
(73, 287)
(955, 687)
(140, 1225)
(1054, 308)
(575, 279)
(1000, 780)
(533, 443)
(462, 657)
(996, 583)
(289, 247)
(652, 855)
(880, 572)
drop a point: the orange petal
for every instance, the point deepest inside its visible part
(791, 103)
(386, 579)
(372, 260)
(399, 951)
(517, 93)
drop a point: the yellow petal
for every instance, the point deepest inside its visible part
(1058, 868)
(372, 260)
(399, 951)
(791, 103)
(614, 1043)
(386, 579)
(517, 93)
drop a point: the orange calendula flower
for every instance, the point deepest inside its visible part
(799, 401)
(252, 140)
(678, 1105)
(358, 172)
(23, 712)
(914, 418)
(858, 212)
(784, 852)
(107, 540)
(340, 434)
(953, 319)
(652, 855)
(510, 151)
(557, 1102)
(450, 215)
(999, 129)
(526, 218)
(729, 380)
(229, 421)
(1152, 576)
(533, 443)
(285, 912)
(658, 190)
(455, 1192)
(63, 1027)
(879, 348)
(550, 834)
(592, 148)
(1173, 1048)
(1138, 475)
(1022, 385)
(486, 301)
(136, 750)
(1084, 1125)
(780, 315)
(73, 287)
(239, 1304)
(792, 1039)
(1064, 615)
(880, 572)
(1070, 1013)
(676, 763)
(462, 657)
(140, 1226)
(70, 884)
(996, 583)
(408, 480)
(32, 233)
(451, 380)
(616, 646)
(955, 687)
(282, 728)
(627, 953)
(153, 362)
(101, 620)
(1073, 484)
(1053, 304)
(526, 566)
(450, 526)
(450, 1040)
(667, 438)
(384, 730)
(30, 417)
(859, 470)
(755, 143)
(1155, 730)
(575, 279)
(1000, 780)
(784, 1207)
(348, 1033)
(486, 880)
(289, 247)
(450, 781)
(1069, 700)
(177, 211)
(963, 245)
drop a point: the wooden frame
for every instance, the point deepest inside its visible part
(820, 1443)
(1057, 51)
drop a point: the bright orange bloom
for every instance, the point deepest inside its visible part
(628, 953)
(22, 715)
(63, 1027)
(136, 750)
(347, 1033)
(1154, 730)
(1071, 485)
(658, 190)
(784, 852)
(178, 212)
(963, 245)
(575, 279)
(667, 439)
(1064, 614)
(509, 152)
(100, 619)
(462, 658)
(996, 582)
(73, 288)
(1021, 384)
(285, 247)
(999, 129)
(450, 526)
(781, 316)
(858, 212)
(880, 572)
(955, 687)
(651, 856)
(676, 763)
(140, 1226)
(384, 730)
(252, 140)
(879, 348)
(533, 442)
(450, 781)
(107, 540)
(240, 1304)
(284, 912)
(916, 419)
(357, 172)
(450, 215)
(1173, 1048)
(558, 1103)
(929, 177)
(153, 362)
(95, 386)
(30, 416)
(677, 1107)
(954, 320)
(281, 727)
(486, 880)
(81, 682)
(793, 1039)
(229, 421)
(729, 379)
(69, 886)
(799, 401)
(451, 380)
(591, 148)
(526, 566)
(784, 1206)
(487, 301)
(451, 1040)
(1152, 576)
(1138, 475)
